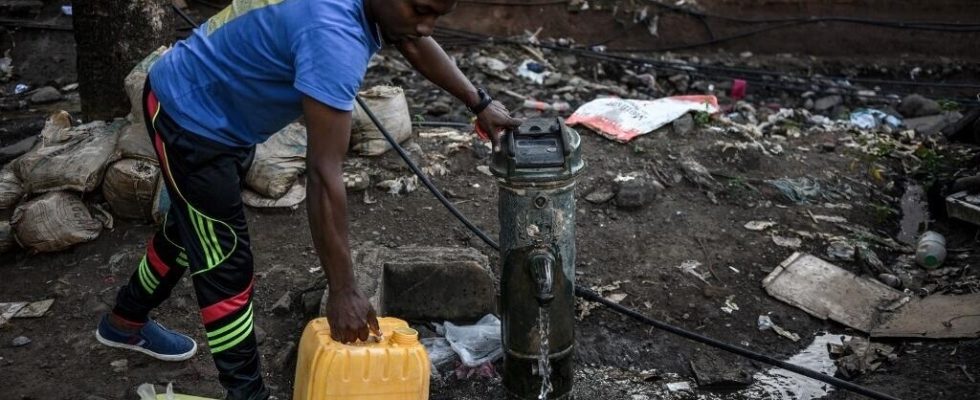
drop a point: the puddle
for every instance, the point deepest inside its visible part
(780, 384)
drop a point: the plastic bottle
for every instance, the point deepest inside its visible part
(931, 250)
(393, 366)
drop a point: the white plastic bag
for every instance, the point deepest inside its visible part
(476, 344)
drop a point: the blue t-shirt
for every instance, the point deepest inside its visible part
(240, 77)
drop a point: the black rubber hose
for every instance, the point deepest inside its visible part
(593, 296)
(425, 180)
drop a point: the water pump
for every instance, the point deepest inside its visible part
(536, 167)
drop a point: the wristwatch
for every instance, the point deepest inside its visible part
(485, 101)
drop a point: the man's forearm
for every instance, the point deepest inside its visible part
(327, 210)
(432, 62)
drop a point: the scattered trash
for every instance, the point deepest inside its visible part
(739, 89)
(533, 71)
(120, 365)
(476, 344)
(842, 250)
(830, 218)
(691, 267)
(622, 119)
(698, 174)
(616, 297)
(800, 190)
(67, 10)
(759, 226)
(930, 251)
(54, 221)
(829, 292)
(20, 341)
(858, 356)
(389, 105)
(782, 241)
(730, 305)
(6, 68)
(869, 118)
(765, 323)
(402, 185)
(679, 386)
(21, 88)
(146, 391)
(278, 162)
(890, 280)
(356, 181)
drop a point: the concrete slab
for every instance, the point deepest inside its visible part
(425, 283)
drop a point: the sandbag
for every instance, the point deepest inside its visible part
(161, 202)
(77, 163)
(134, 142)
(54, 221)
(11, 189)
(7, 242)
(291, 199)
(278, 162)
(135, 82)
(390, 107)
(130, 186)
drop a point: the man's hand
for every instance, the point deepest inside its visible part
(493, 120)
(351, 316)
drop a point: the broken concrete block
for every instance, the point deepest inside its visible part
(427, 283)
(432, 283)
(932, 125)
(915, 105)
(827, 103)
(46, 94)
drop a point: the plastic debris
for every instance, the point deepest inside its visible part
(533, 71)
(765, 323)
(691, 267)
(842, 250)
(800, 190)
(623, 120)
(21, 88)
(67, 10)
(869, 118)
(782, 241)
(679, 386)
(759, 226)
(476, 344)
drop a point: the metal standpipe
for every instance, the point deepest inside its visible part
(536, 167)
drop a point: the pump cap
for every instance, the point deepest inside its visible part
(540, 150)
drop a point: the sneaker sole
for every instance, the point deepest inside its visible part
(158, 356)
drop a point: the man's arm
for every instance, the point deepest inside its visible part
(432, 62)
(328, 134)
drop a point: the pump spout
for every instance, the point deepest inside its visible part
(542, 266)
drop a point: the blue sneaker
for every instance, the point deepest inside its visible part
(153, 339)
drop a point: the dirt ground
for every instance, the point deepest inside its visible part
(638, 251)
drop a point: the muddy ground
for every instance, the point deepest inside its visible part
(640, 249)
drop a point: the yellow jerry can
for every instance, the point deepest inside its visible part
(392, 367)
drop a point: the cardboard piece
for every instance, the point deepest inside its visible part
(829, 292)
